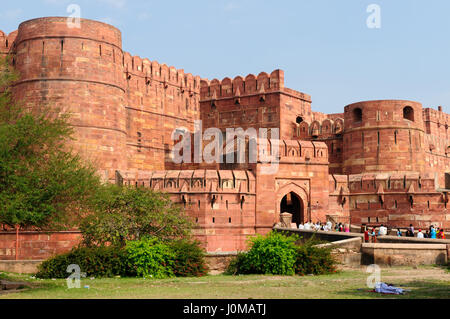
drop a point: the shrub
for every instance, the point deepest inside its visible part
(314, 260)
(189, 259)
(122, 214)
(272, 254)
(149, 257)
(277, 254)
(98, 262)
(236, 265)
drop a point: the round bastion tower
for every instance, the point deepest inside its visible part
(80, 71)
(383, 136)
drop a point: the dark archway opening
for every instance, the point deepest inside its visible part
(408, 113)
(293, 204)
(357, 115)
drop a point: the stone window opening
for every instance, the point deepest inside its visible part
(408, 113)
(299, 120)
(357, 115)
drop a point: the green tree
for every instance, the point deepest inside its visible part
(43, 183)
(121, 214)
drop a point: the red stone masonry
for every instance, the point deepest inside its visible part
(382, 161)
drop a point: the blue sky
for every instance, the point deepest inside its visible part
(324, 46)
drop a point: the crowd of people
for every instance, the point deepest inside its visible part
(433, 232)
(328, 226)
(371, 234)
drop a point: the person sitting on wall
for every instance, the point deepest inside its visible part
(301, 226)
(382, 231)
(440, 234)
(347, 228)
(307, 226)
(399, 233)
(433, 233)
(411, 230)
(373, 236)
(427, 234)
(366, 236)
(420, 234)
(329, 225)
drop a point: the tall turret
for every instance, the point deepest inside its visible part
(383, 136)
(79, 70)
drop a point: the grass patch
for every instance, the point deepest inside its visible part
(424, 282)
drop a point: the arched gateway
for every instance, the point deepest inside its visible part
(293, 204)
(293, 199)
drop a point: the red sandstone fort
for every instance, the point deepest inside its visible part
(378, 162)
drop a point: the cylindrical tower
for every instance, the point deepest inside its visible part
(383, 136)
(80, 71)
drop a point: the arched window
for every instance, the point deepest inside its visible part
(299, 119)
(357, 115)
(408, 113)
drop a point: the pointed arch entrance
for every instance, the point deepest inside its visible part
(293, 204)
(293, 198)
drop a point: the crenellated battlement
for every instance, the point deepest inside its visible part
(325, 129)
(239, 86)
(191, 181)
(7, 41)
(308, 151)
(436, 116)
(152, 71)
(392, 182)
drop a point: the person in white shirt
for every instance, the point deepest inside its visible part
(420, 234)
(307, 226)
(383, 230)
(301, 226)
(329, 225)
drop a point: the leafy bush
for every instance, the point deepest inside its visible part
(236, 265)
(149, 257)
(272, 254)
(122, 214)
(277, 254)
(98, 262)
(314, 260)
(189, 259)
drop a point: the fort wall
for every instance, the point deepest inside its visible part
(383, 161)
